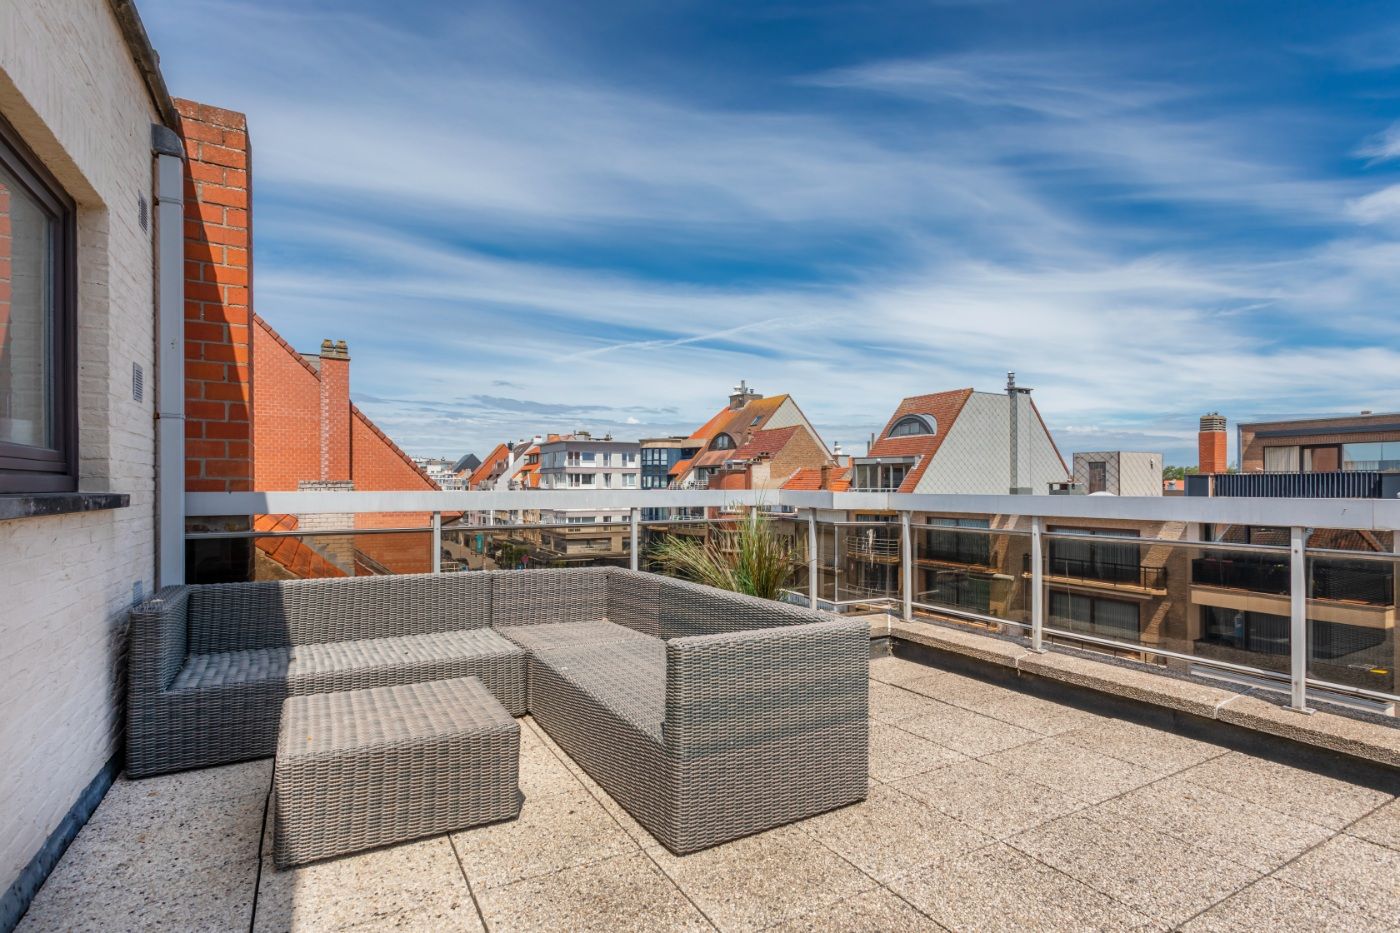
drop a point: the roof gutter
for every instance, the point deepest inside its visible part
(147, 61)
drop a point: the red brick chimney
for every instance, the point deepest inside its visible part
(1212, 446)
(826, 477)
(218, 302)
(335, 411)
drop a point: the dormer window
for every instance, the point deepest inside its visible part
(911, 425)
(722, 442)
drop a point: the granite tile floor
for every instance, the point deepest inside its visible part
(989, 810)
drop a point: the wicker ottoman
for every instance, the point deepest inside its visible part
(364, 768)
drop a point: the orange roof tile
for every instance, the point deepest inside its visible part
(679, 467)
(735, 422)
(764, 443)
(810, 478)
(298, 557)
(482, 473)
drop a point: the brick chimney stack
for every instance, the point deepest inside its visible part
(1212, 446)
(742, 395)
(335, 411)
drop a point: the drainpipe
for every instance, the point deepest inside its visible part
(170, 355)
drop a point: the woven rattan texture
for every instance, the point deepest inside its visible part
(365, 768)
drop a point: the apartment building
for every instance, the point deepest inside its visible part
(576, 462)
(662, 458)
(960, 441)
(963, 441)
(1352, 456)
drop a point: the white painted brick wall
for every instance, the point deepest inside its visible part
(70, 88)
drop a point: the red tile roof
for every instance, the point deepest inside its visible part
(810, 478)
(482, 473)
(735, 422)
(294, 554)
(944, 408)
(763, 443)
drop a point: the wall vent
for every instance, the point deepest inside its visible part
(143, 213)
(138, 382)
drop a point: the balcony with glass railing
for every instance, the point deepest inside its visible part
(1007, 565)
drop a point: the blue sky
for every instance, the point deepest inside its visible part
(540, 216)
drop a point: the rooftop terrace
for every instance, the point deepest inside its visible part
(989, 809)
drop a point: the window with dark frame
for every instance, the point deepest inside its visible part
(38, 366)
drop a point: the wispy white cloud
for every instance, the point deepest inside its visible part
(473, 211)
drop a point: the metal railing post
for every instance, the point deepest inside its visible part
(634, 517)
(812, 579)
(1037, 588)
(1298, 620)
(437, 542)
(906, 566)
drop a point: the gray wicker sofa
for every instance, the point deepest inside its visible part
(210, 665)
(707, 715)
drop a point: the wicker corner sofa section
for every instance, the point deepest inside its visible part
(707, 715)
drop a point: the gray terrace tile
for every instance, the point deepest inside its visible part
(987, 799)
(1357, 875)
(1183, 837)
(1270, 904)
(895, 704)
(997, 888)
(626, 892)
(553, 832)
(162, 896)
(896, 670)
(1034, 713)
(957, 689)
(541, 770)
(416, 884)
(1382, 826)
(891, 833)
(896, 754)
(762, 880)
(967, 732)
(1229, 827)
(1155, 874)
(1071, 770)
(1303, 794)
(877, 911)
(1144, 746)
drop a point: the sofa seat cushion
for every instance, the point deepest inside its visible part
(232, 669)
(383, 662)
(627, 678)
(549, 636)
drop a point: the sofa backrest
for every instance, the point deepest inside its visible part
(634, 600)
(245, 616)
(685, 608)
(530, 597)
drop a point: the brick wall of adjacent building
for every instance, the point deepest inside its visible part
(70, 90)
(307, 434)
(1252, 446)
(218, 300)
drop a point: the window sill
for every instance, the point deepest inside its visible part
(37, 505)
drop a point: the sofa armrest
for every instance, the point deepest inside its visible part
(744, 689)
(157, 641)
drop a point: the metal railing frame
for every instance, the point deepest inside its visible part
(1300, 516)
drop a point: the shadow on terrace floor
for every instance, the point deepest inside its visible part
(989, 810)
